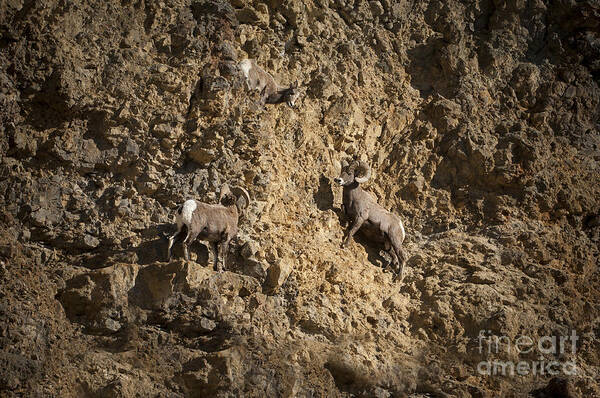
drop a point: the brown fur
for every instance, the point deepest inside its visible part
(270, 92)
(217, 224)
(364, 212)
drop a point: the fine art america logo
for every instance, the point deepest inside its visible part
(554, 346)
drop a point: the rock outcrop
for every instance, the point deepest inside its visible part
(479, 120)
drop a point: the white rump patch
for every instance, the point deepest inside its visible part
(403, 232)
(187, 210)
(245, 66)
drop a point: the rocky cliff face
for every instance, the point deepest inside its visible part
(480, 121)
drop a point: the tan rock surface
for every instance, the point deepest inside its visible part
(479, 119)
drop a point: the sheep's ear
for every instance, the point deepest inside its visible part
(294, 84)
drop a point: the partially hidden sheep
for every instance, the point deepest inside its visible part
(270, 92)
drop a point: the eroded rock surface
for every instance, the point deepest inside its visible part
(479, 119)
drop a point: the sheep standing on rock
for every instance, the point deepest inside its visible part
(217, 224)
(366, 214)
(270, 92)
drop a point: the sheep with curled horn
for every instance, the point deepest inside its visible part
(363, 212)
(217, 224)
(270, 92)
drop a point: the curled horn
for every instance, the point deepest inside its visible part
(362, 172)
(239, 191)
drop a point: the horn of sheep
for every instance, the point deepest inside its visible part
(239, 191)
(363, 172)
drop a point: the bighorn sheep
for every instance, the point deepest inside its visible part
(270, 92)
(217, 224)
(363, 211)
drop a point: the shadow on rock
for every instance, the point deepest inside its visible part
(372, 246)
(427, 73)
(147, 252)
(323, 197)
(373, 249)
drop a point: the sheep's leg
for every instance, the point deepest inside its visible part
(401, 253)
(358, 222)
(186, 253)
(215, 247)
(186, 243)
(400, 256)
(172, 240)
(264, 96)
(344, 215)
(392, 252)
(224, 249)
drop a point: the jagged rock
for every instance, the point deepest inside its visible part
(480, 122)
(376, 8)
(90, 241)
(202, 155)
(277, 274)
(258, 16)
(98, 299)
(212, 374)
(483, 277)
(557, 387)
(249, 249)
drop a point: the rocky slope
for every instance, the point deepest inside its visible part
(480, 120)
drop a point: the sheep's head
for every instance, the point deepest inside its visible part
(354, 171)
(291, 94)
(226, 197)
(234, 196)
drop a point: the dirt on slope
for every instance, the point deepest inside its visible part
(480, 120)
